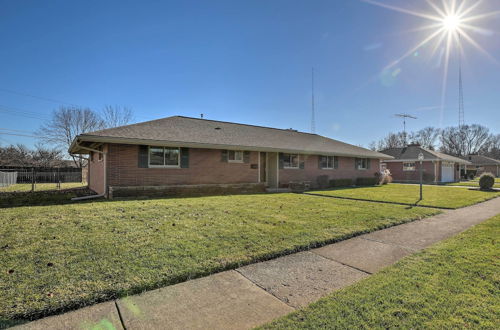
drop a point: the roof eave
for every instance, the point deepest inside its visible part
(120, 140)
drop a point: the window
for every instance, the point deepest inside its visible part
(290, 160)
(328, 162)
(408, 166)
(163, 157)
(362, 163)
(235, 156)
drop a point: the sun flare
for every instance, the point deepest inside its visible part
(451, 22)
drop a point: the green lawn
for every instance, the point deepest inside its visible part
(65, 256)
(454, 284)
(41, 186)
(473, 183)
(435, 196)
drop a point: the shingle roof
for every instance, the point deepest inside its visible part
(481, 160)
(193, 132)
(411, 153)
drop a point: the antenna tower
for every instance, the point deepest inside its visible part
(404, 116)
(313, 119)
(461, 116)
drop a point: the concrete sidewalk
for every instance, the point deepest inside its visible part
(255, 294)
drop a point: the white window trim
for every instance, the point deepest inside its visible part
(164, 166)
(293, 167)
(407, 168)
(235, 160)
(359, 168)
(333, 163)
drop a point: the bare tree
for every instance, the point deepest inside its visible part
(114, 116)
(46, 157)
(465, 140)
(392, 140)
(66, 124)
(426, 137)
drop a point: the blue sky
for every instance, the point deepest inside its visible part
(243, 61)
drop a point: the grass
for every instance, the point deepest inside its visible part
(434, 196)
(454, 284)
(41, 186)
(54, 258)
(473, 183)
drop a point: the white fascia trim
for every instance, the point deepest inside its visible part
(105, 139)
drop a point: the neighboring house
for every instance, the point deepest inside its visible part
(436, 166)
(184, 151)
(481, 164)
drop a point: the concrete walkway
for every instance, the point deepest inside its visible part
(255, 294)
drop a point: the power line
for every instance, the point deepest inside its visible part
(38, 97)
(16, 134)
(14, 130)
(22, 113)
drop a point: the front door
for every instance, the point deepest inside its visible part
(272, 169)
(263, 169)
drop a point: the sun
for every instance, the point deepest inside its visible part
(451, 22)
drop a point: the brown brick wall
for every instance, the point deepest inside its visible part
(398, 174)
(205, 167)
(493, 169)
(311, 170)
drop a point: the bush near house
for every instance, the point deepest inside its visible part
(322, 181)
(340, 183)
(367, 181)
(486, 181)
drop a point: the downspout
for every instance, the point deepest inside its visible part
(105, 176)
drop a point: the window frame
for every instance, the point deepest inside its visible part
(360, 161)
(164, 165)
(289, 161)
(409, 168)
(332, 165)
(229, 160)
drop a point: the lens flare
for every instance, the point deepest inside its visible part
(449, 24)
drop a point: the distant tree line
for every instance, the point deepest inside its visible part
(456, 141)
(21, 156)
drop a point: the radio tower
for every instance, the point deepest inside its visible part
(313, 119)
(461, 119)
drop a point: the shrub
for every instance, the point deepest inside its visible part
(366, 181)
(340, 182)
(297, 187)
(322, 181)
(486, 181)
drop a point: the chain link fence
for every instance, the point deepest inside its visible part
(7, 178)
(27, 178)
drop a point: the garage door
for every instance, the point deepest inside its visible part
(447, 172)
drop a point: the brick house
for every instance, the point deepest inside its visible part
(173, 152)
(482, 164)
(437, 167)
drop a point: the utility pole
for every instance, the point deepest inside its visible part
(404, 116)
(461, 116)
(313, 119)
